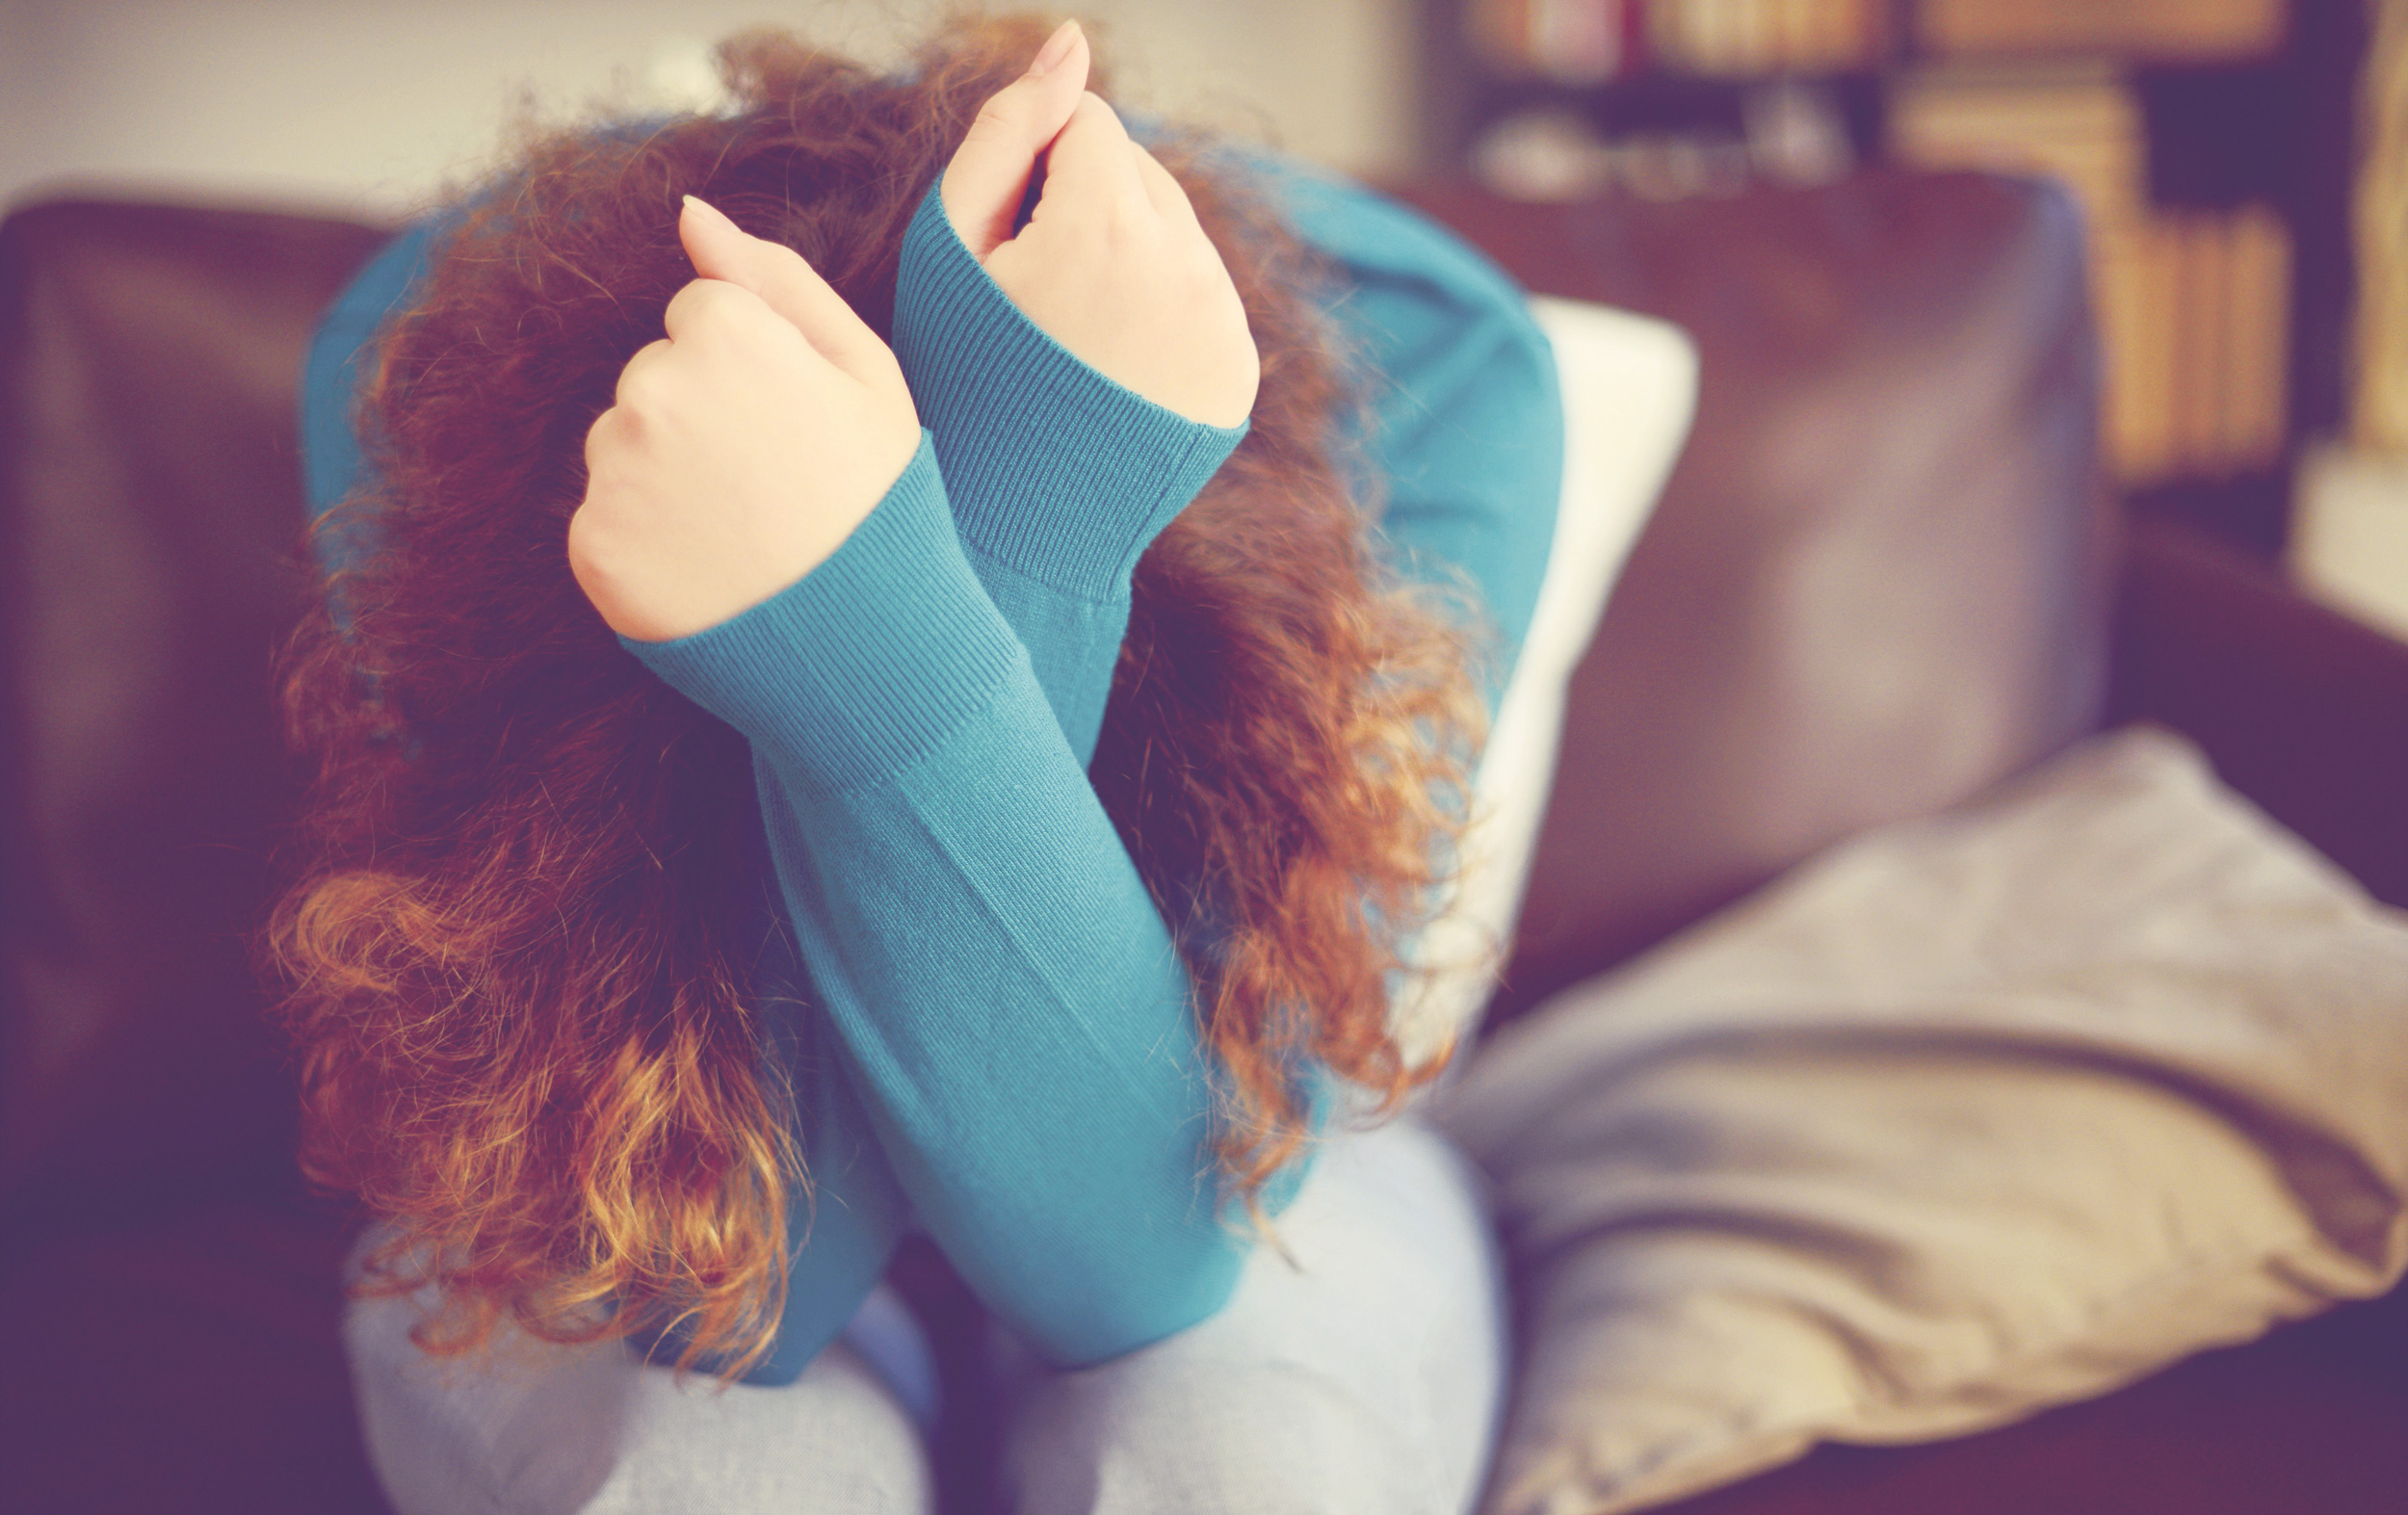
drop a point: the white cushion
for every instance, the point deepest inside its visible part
(1971, 1116)
(1630, 388)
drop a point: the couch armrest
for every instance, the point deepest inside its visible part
(2300, 708)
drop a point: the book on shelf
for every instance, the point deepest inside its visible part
(2378, 370)
(2131, 268)
(2172, 30)
(2258, 336)
(1591, 41)
(2192, 305)
(2194, 319)
(1743, 39)
(2078, 123)
(2202, 348)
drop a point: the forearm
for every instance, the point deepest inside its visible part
(1039, 1087)
(1059, 479)
(1017, 1013)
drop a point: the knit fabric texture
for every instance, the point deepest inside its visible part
(985, 1019)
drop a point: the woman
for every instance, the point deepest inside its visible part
(933, 743)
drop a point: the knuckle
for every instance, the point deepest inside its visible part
(999, 120)
(698, 301)
(640, 389)
(713, 301)
(589, 548)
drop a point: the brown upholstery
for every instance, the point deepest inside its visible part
(2307, 1420)
(1877, 580)
(167, 1308)
(2303, 708)
(153, 502)
(1875, 585)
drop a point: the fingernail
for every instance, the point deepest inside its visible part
(1056, 48)
(705, 206)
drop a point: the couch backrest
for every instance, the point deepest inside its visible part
(1874, 585)
(149, 509)
(1878, 578)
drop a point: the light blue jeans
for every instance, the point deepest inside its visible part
(1365, 1375)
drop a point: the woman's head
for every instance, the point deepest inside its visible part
(516, 948)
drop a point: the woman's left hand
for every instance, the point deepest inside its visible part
(742, 448)
(1112, 264)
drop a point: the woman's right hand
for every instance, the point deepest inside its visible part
(742, 448)
(1113, 263)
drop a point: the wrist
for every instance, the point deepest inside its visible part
(866, 663)
(1053, 469)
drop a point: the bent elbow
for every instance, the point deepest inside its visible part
(1116, 1315)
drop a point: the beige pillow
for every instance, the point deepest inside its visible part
(1969, 1118)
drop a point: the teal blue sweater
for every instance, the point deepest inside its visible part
(988, 1026)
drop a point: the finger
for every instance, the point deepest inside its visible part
(702, 299)
(990, 171)
(646, 358)
(1090, 162)
(776, 274)
(600, 436)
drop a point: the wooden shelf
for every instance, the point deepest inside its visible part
(2221, 134)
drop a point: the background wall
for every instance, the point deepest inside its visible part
(368, 105)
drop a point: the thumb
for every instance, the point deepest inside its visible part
(785, 282)
(990, 173)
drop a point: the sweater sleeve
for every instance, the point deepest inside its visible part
(1014, 1026)
(1059, 478)
(977, 934)
(1056, 490)
(1057, 481)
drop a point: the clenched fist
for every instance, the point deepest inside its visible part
(742, 449)
(1113, 263)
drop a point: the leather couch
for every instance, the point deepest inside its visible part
(1884, 575)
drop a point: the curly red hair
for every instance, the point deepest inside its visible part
(514, 973)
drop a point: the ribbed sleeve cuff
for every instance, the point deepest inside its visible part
(1055, 470)
(868, 662)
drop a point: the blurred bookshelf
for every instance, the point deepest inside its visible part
(2210, 144)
